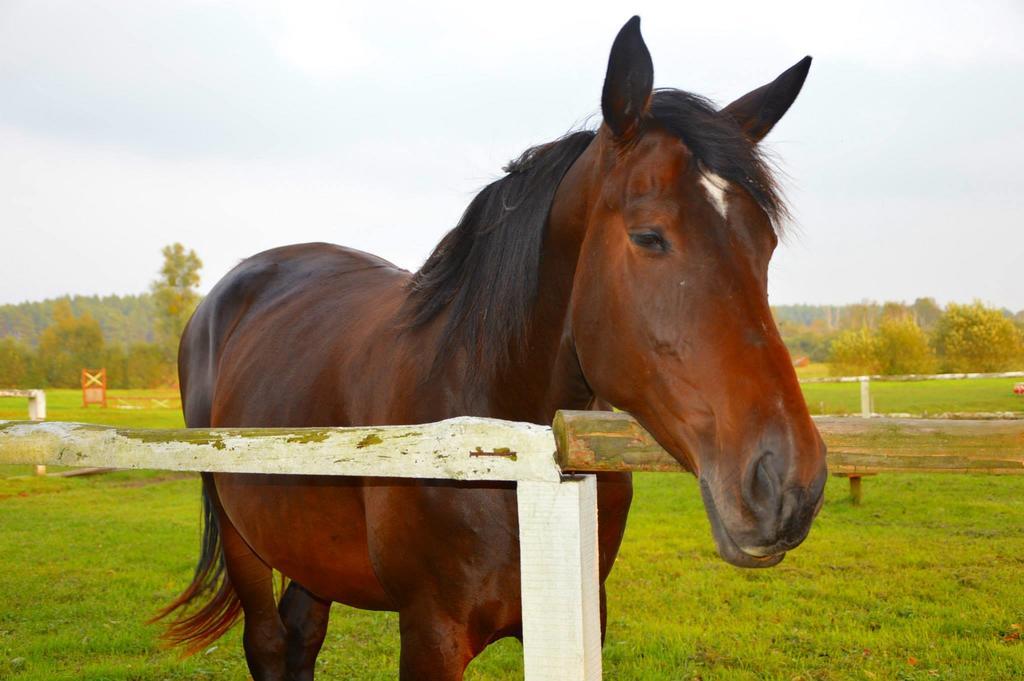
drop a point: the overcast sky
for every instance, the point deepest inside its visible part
(238, 126)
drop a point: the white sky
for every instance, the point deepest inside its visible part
(237, 126)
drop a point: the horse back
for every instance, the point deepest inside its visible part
(268, 343)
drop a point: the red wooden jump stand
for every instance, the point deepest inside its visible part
(94, 387)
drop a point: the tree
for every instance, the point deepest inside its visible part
(806, 341)
(901, 347)
(176, 295)
(15, 364)
(146, 367)
(926, 313)
(977, 338)
(68, 345)
(854, 353)
(1018, 320)
(894, 310)
(860, 316)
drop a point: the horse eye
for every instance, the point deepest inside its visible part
(649, 239)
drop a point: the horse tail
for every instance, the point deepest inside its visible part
(210, 582)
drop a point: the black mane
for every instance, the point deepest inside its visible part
(485, 270)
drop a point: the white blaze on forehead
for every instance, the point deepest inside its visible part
(716, 187)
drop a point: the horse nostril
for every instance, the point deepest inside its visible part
(763, 486)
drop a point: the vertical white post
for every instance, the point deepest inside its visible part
(558, 562)
(37, 412)
(36, 405)
(865, 396)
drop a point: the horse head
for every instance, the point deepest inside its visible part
(669, 310)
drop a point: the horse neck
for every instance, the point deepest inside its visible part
(547, 376)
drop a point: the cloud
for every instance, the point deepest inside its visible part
(234, 126)
(91, 219)
(320, 38)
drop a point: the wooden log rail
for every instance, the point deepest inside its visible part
(601, 441)
(556, 498)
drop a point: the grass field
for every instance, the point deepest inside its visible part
(921, 582)
(918, 397)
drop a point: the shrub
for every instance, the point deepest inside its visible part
(67, 346)
(854, 352)
(142, 365)
(902, 348)
(15, 364)
(977, 338)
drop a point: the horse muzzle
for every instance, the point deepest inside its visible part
(781, 519)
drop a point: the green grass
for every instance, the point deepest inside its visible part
(927, 571)
(918, 397)
(929, 568)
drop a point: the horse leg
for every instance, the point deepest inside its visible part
(434, 646)
(264, 634)
(305, 617)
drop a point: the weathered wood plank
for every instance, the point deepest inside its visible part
(595, 441)
(856, 462)
(605, 441)
(456, 449)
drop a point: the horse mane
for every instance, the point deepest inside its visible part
(485, 270)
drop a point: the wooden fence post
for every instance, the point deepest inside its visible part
(856, 494)
(865, 396)
(559, 578)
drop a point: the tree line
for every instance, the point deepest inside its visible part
(47, 344)
(900, 338)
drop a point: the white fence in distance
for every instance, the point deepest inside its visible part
(866, 409)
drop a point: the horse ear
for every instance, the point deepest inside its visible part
(758, 111)
(629, 81)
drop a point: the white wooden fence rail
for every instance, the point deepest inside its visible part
(557, 513)
(36, 402)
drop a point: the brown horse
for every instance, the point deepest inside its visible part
(627, 264)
